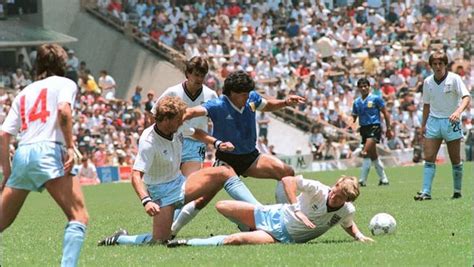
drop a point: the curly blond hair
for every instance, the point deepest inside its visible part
(169, 107)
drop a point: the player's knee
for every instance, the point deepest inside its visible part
(222, 206)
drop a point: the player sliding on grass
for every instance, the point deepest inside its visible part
(311, 214)
(233, 116)
(158, 164)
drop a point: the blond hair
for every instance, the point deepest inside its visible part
(169, 107)
(349, 186)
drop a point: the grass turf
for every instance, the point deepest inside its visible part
(436, 232)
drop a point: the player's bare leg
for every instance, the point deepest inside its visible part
(12, 200)
(66, 191)
(162, 224)
(237, 211)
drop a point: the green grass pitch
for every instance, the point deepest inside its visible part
(437, 232)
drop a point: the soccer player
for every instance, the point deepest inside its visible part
(445, 97)
(41, 115)
(158, 162)
(367, 108)
(193, 92)
(233, 116)
(309, 215)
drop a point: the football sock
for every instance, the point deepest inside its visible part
(134, 239)
(212, 241)
(73, 239)
(379, 168)
(188, 212)
(428, 176)
(365, 170)
(239, 191)
(457, 177)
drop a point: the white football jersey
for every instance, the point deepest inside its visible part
(158, 157)
(313, 203)
(34, 111)
(444, 98)
(179, 91)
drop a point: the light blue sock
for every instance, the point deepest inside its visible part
(428, 176)
(212, 241)
(142, 239)
(73, 239)
(457, 177)
(239, 191)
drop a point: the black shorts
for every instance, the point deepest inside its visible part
(373, 131)
(240, 163)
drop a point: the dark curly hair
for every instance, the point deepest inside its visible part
(238, 82)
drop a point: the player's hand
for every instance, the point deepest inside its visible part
(69, 163)
(152, 208)
(389, 134)
(292, 100)
(455, 117)
(300, 215)
(365, 239)
(226, 146)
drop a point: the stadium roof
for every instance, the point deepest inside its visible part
(15, 33)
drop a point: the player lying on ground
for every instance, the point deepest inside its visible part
(157, 163)
(311, 214)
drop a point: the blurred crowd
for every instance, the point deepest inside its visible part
(317, 50)
(289, 47)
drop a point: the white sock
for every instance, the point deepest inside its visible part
(379, 168)
(188, 212)
(365, 170)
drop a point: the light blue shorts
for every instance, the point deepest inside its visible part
(269, 218)
(193, 150)
(35, 164)
(441, 128)
(170, 193)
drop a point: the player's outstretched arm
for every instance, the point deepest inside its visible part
(291, 100)
(208, 139)
(354, 231)
(5, 157)
(194, 112)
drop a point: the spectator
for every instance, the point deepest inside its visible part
(107, 85)
(87, 173)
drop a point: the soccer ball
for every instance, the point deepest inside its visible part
(382, 223)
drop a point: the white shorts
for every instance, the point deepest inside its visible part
(35, 164)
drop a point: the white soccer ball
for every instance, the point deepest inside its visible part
(382, 223)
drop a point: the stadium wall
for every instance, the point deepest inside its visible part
(104, 48)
